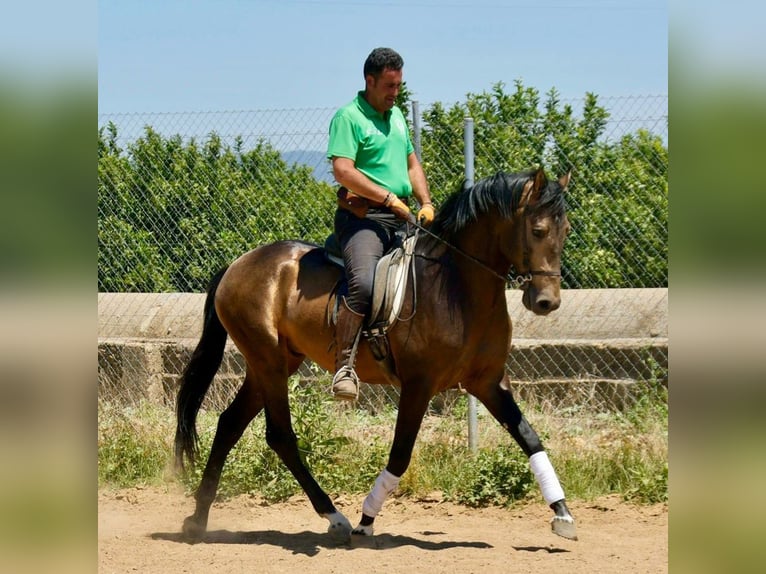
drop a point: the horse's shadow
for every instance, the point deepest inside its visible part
(310, 543)
(547, 549)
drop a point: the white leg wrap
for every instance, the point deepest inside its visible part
(385, 484)
(546, 477)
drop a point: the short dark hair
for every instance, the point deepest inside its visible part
(380, 59)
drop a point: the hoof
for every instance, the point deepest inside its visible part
(192, 530)
(564, 526)
(339, 528)
(363, 530)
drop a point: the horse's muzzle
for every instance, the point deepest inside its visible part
(540, 302)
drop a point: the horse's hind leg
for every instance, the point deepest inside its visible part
(498, 399)
(281, 438)
(231, 424)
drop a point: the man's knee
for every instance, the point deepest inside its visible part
(358, 302)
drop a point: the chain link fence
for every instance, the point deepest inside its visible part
(182, 194)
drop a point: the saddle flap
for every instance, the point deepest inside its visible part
(391, 276)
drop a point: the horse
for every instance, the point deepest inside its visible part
(274, 302)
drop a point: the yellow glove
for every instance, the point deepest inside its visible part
(426, 214)
(397, 206)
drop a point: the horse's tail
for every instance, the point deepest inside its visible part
(197, 376)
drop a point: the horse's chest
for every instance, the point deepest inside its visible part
(477, 345)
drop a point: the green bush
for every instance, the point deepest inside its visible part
(498, 476)
(172, 212)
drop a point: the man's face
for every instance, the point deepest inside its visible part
(382, 91)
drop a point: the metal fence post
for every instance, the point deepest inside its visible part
(469, 177)
(416, 130)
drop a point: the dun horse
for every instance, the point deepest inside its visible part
(273, 302)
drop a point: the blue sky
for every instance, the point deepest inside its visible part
(180, 56)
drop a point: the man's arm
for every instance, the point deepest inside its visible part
(348, 176)
(420, 190)
(351, 178)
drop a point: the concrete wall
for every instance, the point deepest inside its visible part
(596, 314)
(605, 339)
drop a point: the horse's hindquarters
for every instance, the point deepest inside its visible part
(276, 297)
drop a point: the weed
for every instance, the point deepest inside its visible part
(132, 448)
(498, 476)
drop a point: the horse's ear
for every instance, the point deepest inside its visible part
(564, 180)
(532, 195)
(540, 181)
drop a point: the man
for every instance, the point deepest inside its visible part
(375, 164)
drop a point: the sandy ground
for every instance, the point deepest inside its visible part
(139, 531)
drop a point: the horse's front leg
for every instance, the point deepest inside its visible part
(412, 408)
(498, 398)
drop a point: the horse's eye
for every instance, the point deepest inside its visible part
(540, 232)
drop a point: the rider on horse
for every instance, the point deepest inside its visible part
(374, 162)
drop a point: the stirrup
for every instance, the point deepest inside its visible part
(345, 384)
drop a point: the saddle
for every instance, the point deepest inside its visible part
(390, 281)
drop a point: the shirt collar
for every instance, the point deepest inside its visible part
(368, 110)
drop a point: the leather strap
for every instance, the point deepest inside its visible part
(352, 202)
(357, 204)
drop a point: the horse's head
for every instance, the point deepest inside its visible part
(509, 220)
(540, 234)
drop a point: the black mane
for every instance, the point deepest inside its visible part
(500, 192)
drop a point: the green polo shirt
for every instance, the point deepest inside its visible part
(378, 144)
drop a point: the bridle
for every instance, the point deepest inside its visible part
(513, 280)
(527, 277)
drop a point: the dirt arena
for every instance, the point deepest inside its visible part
(139, 531)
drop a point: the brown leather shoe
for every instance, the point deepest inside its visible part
(345, 384)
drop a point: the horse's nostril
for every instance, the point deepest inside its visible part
(547, 305)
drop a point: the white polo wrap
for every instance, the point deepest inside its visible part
(385, 484)
(546, 477)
